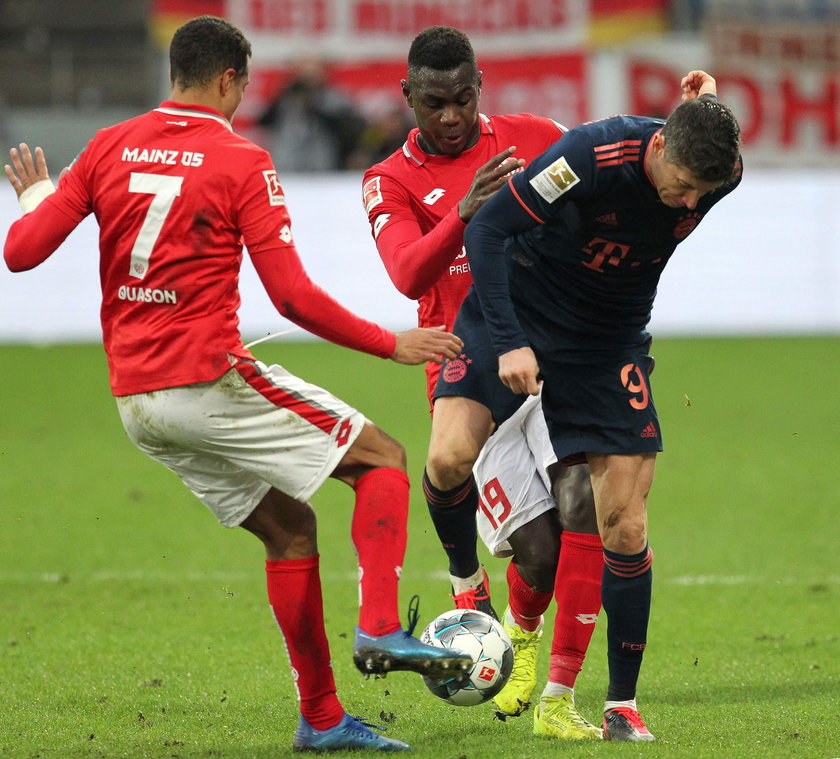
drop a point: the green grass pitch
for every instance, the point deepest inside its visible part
(132, 625)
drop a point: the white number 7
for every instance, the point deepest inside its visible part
(165, 189)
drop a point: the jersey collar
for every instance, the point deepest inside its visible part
(411, 147)
(171, 108)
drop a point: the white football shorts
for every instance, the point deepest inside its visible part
(232, 439)
(511, 475)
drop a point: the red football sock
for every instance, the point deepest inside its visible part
(577, 589)
(526, 604)
(294, 592)
(379, 535)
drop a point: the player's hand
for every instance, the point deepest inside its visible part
(422, 344)
(697, 83)
(518, 370)
(488, 179)
(26, 170)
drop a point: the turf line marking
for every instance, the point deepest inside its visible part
(144, 575)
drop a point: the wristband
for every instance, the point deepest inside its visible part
(32, 196)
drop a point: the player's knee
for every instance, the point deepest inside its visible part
(572, 489)
(375, 448)
(287, 527)
(578, 515)
(392, 453)
(448, 467)
(624, 531)
(539, 574)
(303, 535)
(536, 546)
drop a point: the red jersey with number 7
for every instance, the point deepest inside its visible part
(176, 193)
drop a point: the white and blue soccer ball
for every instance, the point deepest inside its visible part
(486, 641)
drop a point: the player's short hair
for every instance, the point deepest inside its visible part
(440, 48)
(703, 135)
(203, 48)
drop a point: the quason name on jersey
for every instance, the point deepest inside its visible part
(147, 295)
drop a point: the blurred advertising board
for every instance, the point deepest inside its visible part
(776, 61)
(363, 29)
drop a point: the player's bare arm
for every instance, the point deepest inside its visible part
(488, 179)
(421, 344)
(518, 369)
(26, 169)
(696, 83)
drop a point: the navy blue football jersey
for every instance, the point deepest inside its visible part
(571, 251)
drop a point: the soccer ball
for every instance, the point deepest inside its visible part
(483, 638)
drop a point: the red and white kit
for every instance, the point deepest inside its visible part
(177, 194)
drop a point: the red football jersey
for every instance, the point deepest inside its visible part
(177, 194)
(411, 199)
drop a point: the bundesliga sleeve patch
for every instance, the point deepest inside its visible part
(554, 180)
(371, 194)
(275, 192)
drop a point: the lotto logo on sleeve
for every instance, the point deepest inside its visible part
(380, 222)
(275, 191)
(555, 180)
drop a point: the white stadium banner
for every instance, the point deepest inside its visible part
(764, 262)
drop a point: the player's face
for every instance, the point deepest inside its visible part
(679, 188)
(445, 107)
(676, 185)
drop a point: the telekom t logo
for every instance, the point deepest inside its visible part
(604, 252)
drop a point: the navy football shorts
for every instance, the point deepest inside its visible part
(593, 401)
(600, 403)
(475, 373)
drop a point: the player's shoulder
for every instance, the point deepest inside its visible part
(608, 142)
(108, 141)
(249, 149)
(395, 164)
(525, 124)
(519, 120)
(388, 166)
(397, 172)
(392, 177)
(116, 131)
(618, 127)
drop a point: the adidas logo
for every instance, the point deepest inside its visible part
(607, 218)
(649, 431)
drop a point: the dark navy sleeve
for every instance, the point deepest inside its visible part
(484, 241)
(533, 197)
(564, 172)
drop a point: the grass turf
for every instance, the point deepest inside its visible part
(131, 625)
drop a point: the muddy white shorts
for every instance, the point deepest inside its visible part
(511, 475)
(232, 439)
